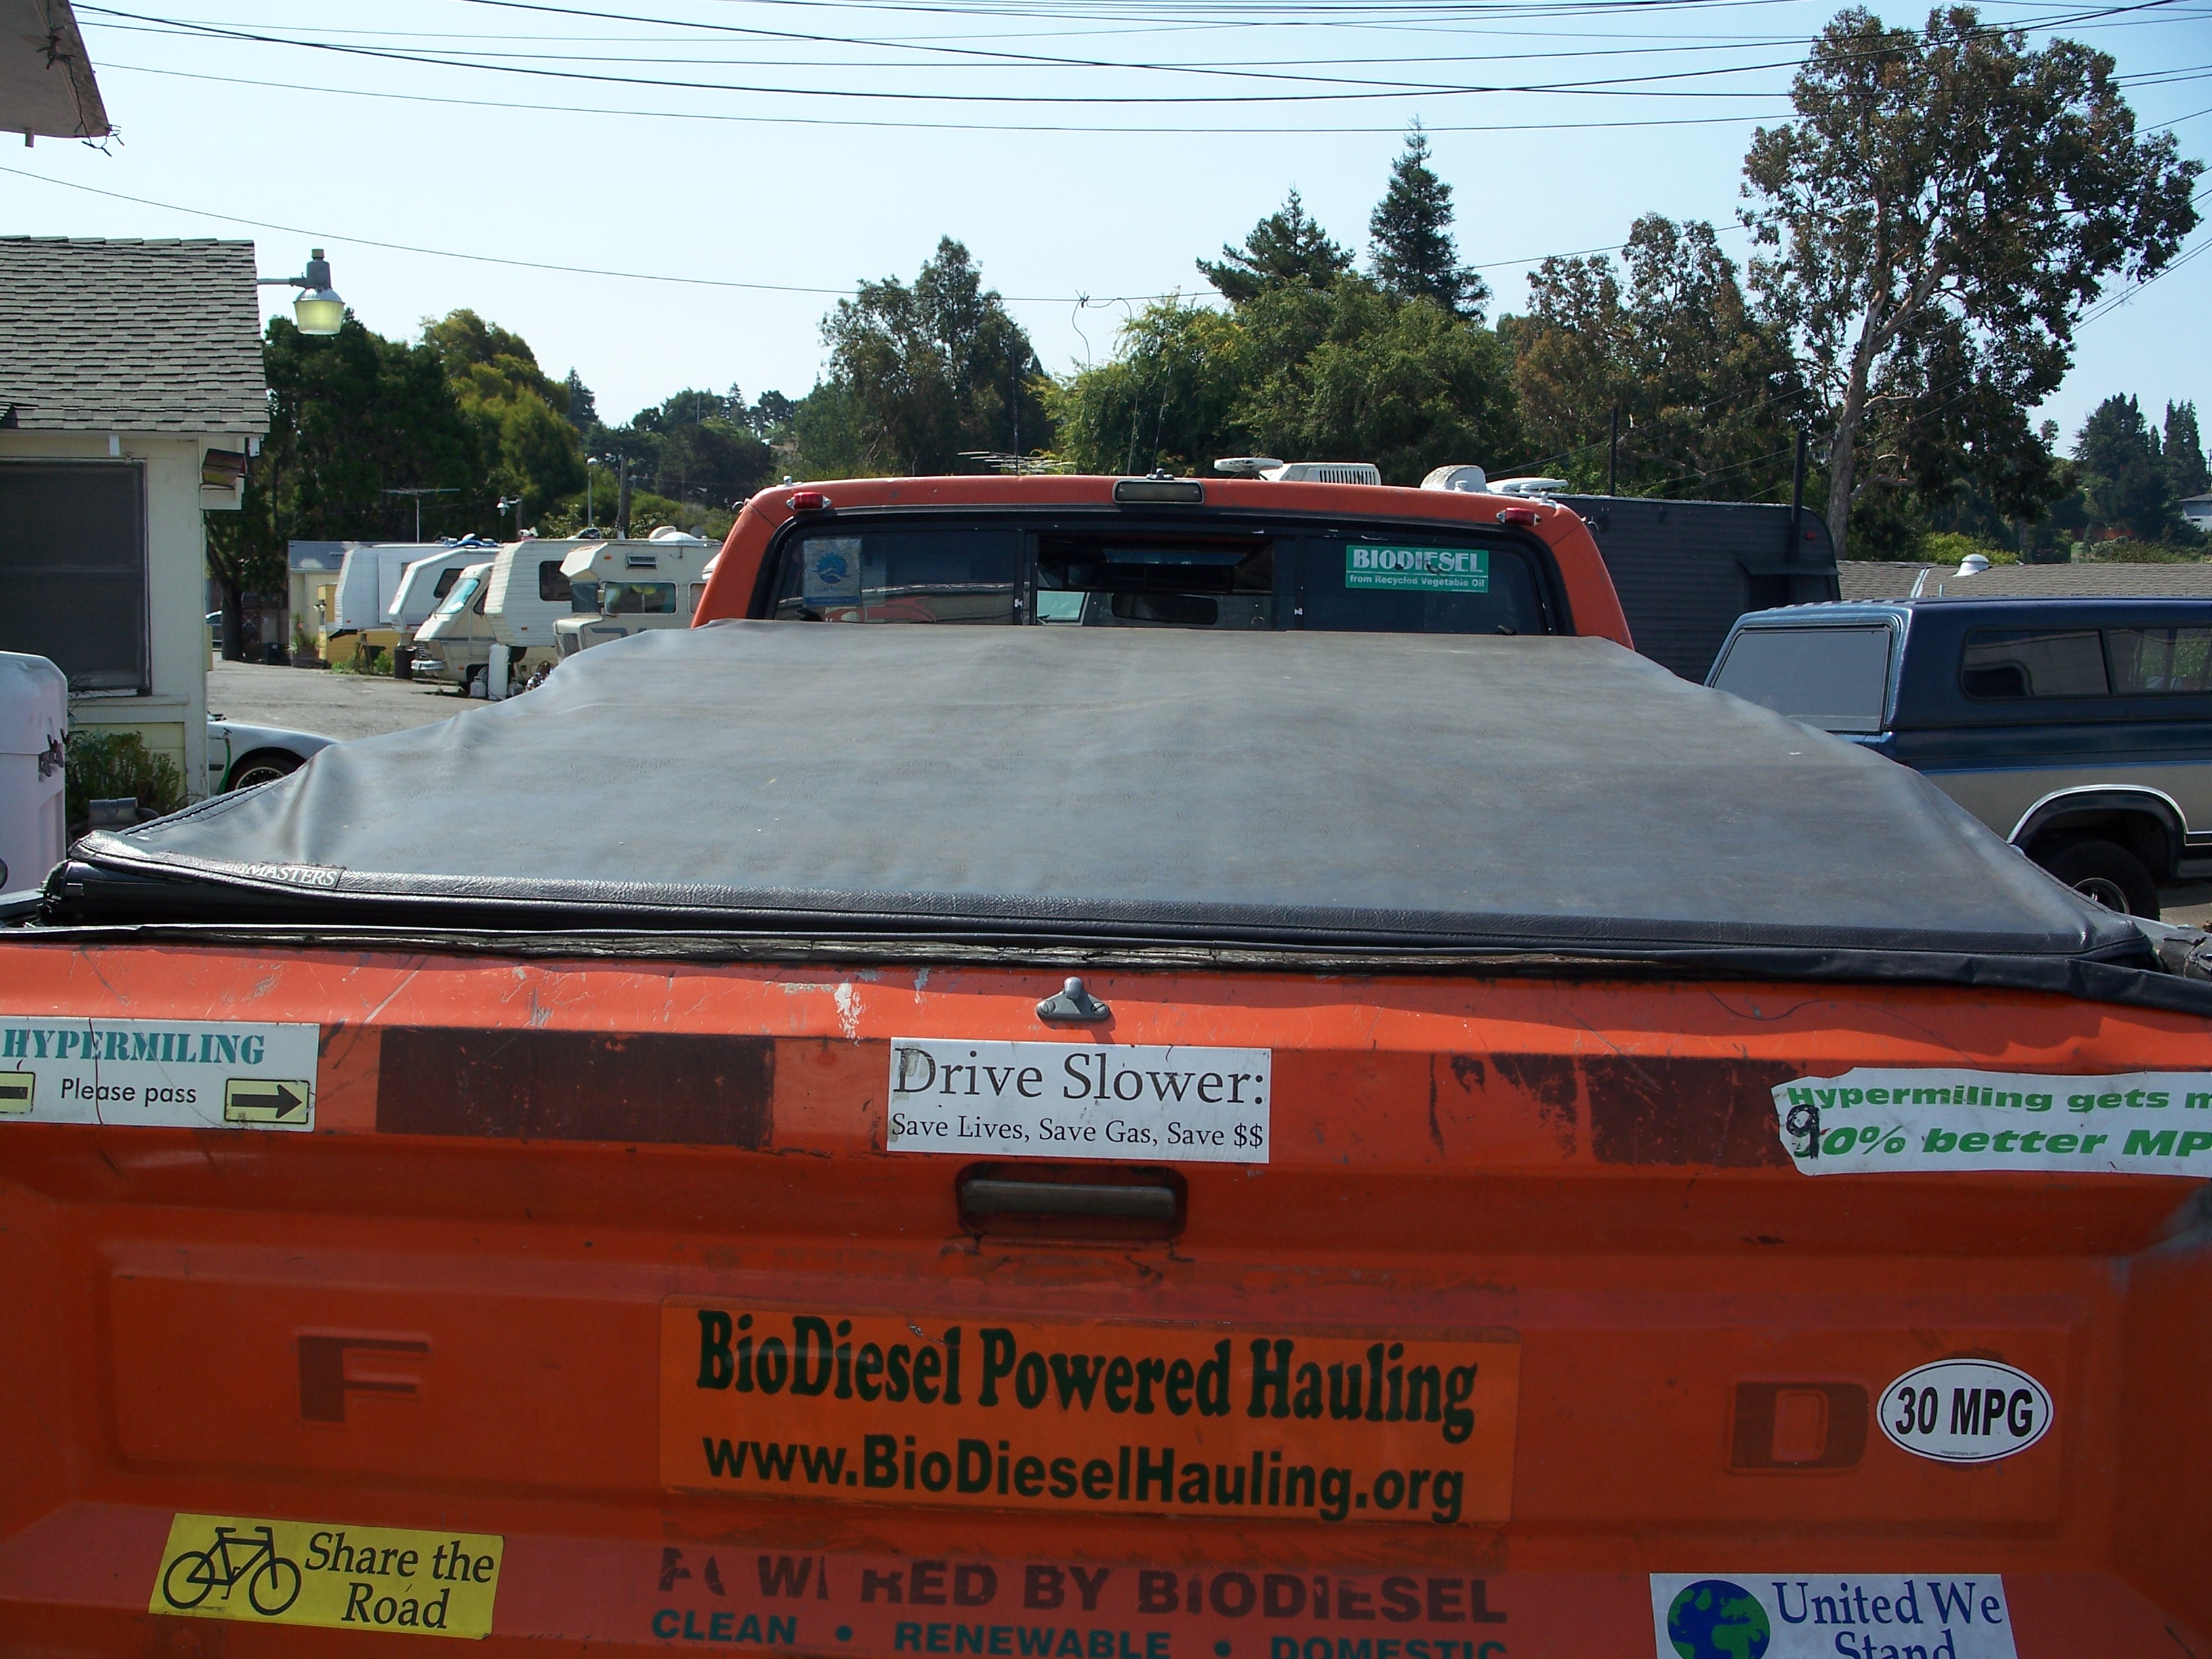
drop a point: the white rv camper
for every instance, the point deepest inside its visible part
(625, 588)
(425, 582)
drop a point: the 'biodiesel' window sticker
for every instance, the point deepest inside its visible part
(1418, 569)
(2141, 1123)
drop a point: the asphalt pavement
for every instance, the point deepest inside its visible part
(339, 706)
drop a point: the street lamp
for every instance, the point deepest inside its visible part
(317, 310)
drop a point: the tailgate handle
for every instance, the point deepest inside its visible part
(986, 1195)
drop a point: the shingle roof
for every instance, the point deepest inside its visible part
(1882, 579)
(131, 336)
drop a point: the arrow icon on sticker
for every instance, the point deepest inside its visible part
(252, 1100)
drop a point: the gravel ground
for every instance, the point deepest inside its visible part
(316, 700)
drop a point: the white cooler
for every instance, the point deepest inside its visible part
(34, 718)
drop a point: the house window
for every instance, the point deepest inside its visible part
(73, 567)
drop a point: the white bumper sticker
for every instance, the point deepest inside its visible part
(2141, 1123)
(157, 1073)
(1966, 1411)
(1080, 1100)
(1737, 1615)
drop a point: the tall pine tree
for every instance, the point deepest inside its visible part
(2185, 452)
(1288, 245)
(1415, 258)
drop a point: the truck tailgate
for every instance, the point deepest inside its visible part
(584, 1305)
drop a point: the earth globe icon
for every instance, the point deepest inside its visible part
(831, 568)
(1714, 1619)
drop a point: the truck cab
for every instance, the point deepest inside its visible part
(2079, 730)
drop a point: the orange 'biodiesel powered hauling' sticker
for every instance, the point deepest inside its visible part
(1086, 1417)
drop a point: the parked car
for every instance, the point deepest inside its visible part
(2079, 730)
(240, 756)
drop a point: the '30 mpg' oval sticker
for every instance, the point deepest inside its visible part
(1966, 1411)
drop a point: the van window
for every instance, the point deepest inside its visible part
(1120, 580)
(639, 599)
(2154, 661)
(2003, 663)
(1420, 581)
(460, 597)
(948, 575)
(1835, 678)
(551, 584)
(444, 585)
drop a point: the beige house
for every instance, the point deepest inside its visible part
(131, 395)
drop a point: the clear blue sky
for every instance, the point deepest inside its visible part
(685, 138)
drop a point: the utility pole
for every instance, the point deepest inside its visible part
(1612, 455)
(622, 500)
(1798, 497)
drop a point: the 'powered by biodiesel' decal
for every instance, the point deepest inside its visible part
(1086, 1417)
(2141, 1123)
(1418, 569)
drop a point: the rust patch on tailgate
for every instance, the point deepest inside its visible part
(576, 1085)
(1686, 1110)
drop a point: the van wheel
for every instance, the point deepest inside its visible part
(2105, 872)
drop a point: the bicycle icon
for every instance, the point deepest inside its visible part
(272, 1581)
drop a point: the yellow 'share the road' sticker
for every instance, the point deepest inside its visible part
(310, 1572)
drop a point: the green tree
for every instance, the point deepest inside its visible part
(1285, 246)
(2184, 453)
(1952, 172)
(1704, 391)
(929, 371)
(529, 446)
(1340, 372)
(2124, 485)
(349, 417)
(1415, 258)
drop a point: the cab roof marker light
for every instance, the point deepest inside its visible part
(809, 500)
(1182, 492)
(1521, 515)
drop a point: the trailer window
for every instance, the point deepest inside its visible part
(639, 599)
(552, 585)
(1835, 678)
(2156, 661)
(939, 575)
(2009, 663)
(444, 585)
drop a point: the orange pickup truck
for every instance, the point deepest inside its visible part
(1100, 1145)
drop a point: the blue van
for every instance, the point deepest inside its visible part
(2079, 730)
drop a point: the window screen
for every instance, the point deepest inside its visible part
(940, 576)
(1419, 582)
(2019, 662)
(1835, 678)
(2154, 661)
(73, 567)
(551, 584)
(1166, 581)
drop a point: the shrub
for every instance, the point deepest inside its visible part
(107, 765)
(2125, 550)
(1951, 546)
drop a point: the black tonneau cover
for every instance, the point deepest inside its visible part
(1314, 794)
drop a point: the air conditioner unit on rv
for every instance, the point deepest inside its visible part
(1469, 480)
(1267, 467)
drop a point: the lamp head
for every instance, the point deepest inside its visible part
(319, 310)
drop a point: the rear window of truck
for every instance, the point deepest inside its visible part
(1145, 574)
(1835, 678)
